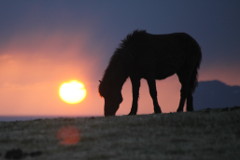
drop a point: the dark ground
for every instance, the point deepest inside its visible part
(206, 134)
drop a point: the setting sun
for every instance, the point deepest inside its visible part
(72, 92)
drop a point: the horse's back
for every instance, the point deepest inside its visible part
(161, 45)
(165, 54)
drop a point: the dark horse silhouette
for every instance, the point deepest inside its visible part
(149, 56)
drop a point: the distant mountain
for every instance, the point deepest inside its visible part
(216, 94)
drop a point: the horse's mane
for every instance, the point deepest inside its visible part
(121, 59)
(123, 52)
(128, 47)
(132, 40)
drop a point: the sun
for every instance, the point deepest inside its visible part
(72, 92)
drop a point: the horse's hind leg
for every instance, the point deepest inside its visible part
(188, 81)
(185, 90)
(153, 93)
(182, 98)
(193, 83)
(190, 102)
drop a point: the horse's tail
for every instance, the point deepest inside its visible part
(194, 78)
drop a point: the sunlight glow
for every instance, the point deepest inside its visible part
(68, 135)
(72, 92)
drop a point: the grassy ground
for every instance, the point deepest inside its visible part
(213, 134)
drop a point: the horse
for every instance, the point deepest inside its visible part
(152, 57)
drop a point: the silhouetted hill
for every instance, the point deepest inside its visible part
(216, 94)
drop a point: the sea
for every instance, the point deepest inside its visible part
(29, 118)
(24, 118)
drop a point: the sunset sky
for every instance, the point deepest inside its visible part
(44, 43)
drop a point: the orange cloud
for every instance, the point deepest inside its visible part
(32, 69)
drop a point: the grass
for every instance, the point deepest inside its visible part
(211, 134)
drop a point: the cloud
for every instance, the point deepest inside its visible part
(43, 57)
(33, 67)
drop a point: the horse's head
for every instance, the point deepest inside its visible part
(112, 99)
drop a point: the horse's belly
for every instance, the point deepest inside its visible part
(158, 73)
(163, 74)
(164, 71)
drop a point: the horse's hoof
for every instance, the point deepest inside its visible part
(179, 110)
(131, 114)
(190, 109)
(157, 111)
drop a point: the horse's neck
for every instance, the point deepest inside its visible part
(121, 81)
(116, 79)
(116, 73)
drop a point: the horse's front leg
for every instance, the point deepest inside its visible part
(135, 94)
(153, 92)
